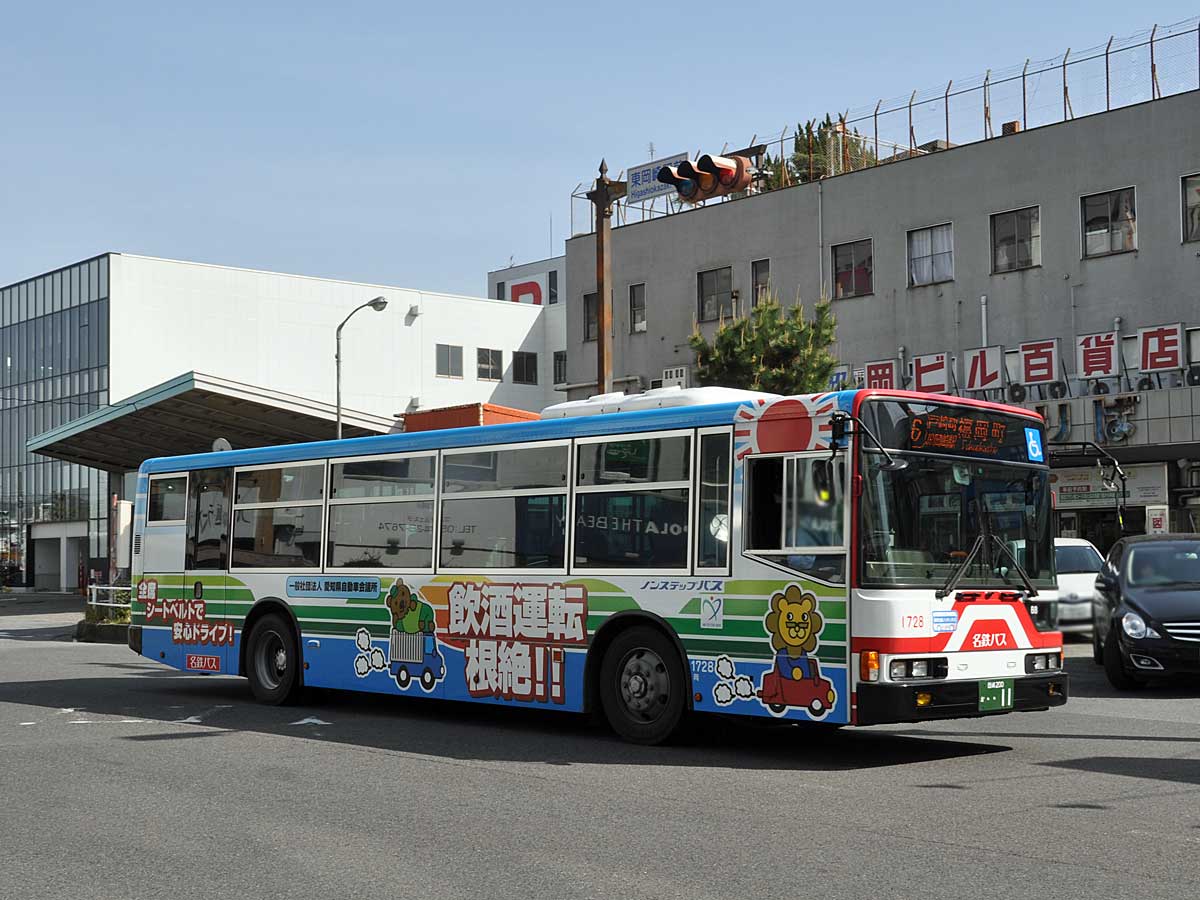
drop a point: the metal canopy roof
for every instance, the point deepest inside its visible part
(186, 414)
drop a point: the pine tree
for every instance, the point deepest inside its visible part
(776, 350)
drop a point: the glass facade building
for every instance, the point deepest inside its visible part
(54, 352)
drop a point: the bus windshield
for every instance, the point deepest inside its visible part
(921, 521)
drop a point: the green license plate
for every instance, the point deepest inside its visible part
(995, 693)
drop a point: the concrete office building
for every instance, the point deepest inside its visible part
(541, 283)
(118, 358)
(1080, 232)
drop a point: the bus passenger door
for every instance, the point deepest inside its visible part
(206, 632)
(160, 583)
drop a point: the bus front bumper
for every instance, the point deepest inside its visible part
(882, 703)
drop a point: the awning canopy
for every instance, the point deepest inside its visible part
(188, 413)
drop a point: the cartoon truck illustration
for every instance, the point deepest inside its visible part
(415, 654)
(413, 650)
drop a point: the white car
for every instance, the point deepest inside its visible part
(1076, 562)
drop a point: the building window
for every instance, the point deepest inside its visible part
(591, 316)
(852, 269)
(552, 286)
(1191, 208)
(930, 255)
(500, 291)
(715, 294)
(560, 366)
(1016, 240)
(637, 308)
(490, 365)
(449, 361)
(525, 367)
(1109, 223)
(760, 278)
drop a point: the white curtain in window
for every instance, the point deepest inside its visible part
(920, 268)
(943, 252)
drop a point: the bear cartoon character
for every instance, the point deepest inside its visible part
(410, 614)
(794, 623)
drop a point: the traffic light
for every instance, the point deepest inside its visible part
(710, 176)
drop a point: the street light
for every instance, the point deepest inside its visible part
(379, 304)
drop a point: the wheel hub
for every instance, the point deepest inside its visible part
(645, 684)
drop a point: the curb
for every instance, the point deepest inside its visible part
(101, 633)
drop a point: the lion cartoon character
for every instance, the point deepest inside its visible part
(410, 614)
(794, 623)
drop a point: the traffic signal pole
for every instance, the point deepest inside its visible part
(602, 196)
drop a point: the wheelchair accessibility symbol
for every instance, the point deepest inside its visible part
(1033, 445)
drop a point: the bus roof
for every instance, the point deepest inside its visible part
(665, 419)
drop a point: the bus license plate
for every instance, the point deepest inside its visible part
(995, 693)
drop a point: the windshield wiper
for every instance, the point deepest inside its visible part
(983, 542)
(960, 570)
(1025, 579)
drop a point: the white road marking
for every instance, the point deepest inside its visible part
(312, 720)
(27, 723)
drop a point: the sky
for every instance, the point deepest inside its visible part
(422, 145)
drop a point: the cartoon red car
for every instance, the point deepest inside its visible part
(814, 693)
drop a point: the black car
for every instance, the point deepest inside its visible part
(1146, 609)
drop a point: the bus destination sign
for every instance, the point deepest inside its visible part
(973, 434)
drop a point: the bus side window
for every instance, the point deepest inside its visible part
(764, 478)
(208, 519)
(795, 514)
(712, 532)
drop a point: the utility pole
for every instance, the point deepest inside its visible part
(603, 196)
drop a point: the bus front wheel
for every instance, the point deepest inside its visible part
(274, 660)
(642, 687)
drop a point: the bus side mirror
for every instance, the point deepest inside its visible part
(837, 430)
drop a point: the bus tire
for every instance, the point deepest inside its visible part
(642, 687)
(273, 660)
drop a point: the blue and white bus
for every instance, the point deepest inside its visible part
(838, 558)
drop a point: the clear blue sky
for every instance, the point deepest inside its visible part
(422, 144)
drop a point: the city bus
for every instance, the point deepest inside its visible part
(843, 558)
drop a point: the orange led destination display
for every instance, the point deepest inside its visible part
(974, 434)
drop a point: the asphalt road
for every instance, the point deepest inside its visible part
(119, 778)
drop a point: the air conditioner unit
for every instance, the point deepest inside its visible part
(675, 375)
(1012, 127)
(655, 383)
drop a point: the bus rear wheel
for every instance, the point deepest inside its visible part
(273, 660)
(642, 687)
